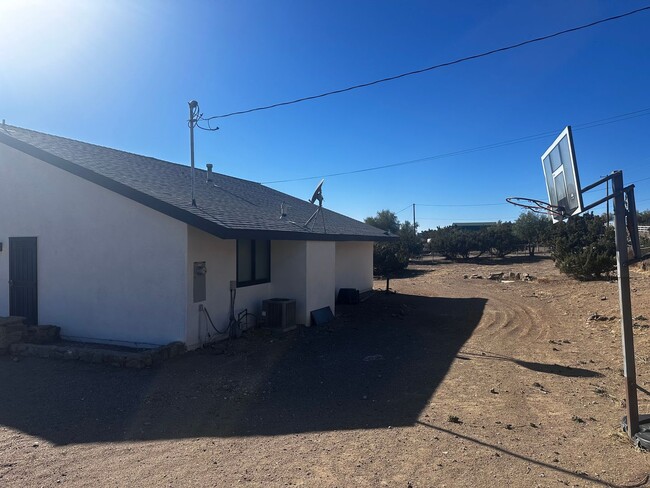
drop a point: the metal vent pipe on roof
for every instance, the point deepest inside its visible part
(209, 176)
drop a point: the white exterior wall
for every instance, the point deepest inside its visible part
(220, 256)
(354, 265)
(300, 270)
(109, 269)
(289, 272)
(321, 282)
(288, 280)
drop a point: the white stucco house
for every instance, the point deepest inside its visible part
(107, 244)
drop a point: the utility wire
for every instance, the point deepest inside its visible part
(492, 204)
(419, 160)
(431, 68)
(459, 205)
(586, 125)
(600, 189)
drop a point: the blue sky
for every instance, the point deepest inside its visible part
(120, 74)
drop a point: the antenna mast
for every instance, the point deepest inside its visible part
(194, 112)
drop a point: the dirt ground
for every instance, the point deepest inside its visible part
(450, 382)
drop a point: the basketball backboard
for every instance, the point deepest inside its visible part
(561, 175)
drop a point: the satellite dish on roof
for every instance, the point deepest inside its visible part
(318, 194)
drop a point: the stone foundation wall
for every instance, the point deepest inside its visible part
(12, 330)
(89, 354)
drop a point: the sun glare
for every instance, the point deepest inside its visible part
(42, 36)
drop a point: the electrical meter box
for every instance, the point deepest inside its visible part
(200, 271)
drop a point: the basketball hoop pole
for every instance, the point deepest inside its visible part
(623, 272)
(564, 190)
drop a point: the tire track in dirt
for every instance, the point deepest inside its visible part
(505, 319)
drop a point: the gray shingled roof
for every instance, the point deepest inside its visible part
(226, 207)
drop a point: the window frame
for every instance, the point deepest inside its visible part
(253, 263)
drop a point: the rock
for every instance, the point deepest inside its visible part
(71, 354)
(495, 276)
(603, 298)
(136, 363)
(597, 317)
(375, 357)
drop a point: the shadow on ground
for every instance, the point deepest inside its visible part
(377, 366)
(557, 369)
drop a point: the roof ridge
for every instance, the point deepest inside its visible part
(230, 207)
(77, 141)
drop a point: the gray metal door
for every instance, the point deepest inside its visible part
(23, 297)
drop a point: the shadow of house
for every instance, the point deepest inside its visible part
(377, 367)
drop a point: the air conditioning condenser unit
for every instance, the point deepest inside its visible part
(280, 313)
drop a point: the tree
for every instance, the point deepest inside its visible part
(451, 242)
(384, 220)
(501, 239)
(392, 257)
(410, 243)
(388, 259)
(584, 247)
(643, 217)
(532, 229)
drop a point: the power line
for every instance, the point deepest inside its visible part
(459, 205)
(600, 189)
(642, 179)
(542, 135)
(431, 68)
(484, 204)
(419, 160)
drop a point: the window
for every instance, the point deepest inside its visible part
(253, 262)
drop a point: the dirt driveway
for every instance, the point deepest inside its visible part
(450, 382)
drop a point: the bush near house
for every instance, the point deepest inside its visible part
(391, 257)
(388, 259)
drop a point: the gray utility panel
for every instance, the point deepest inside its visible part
(200, 271)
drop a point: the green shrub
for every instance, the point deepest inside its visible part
(455, 243)
(388, 259)
(502, 240)
(533, 230)
(584, 247)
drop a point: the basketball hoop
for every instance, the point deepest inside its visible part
(537, 206)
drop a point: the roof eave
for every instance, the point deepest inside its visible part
(172, 210)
